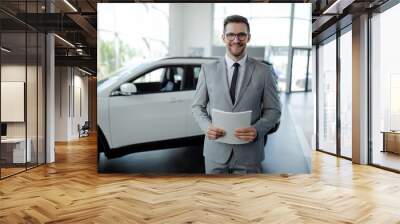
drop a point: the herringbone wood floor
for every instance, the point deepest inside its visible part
(71, 191)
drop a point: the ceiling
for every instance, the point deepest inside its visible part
(76, 40)
(76, 22)
(330, 15)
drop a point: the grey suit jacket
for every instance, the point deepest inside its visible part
(258, 93)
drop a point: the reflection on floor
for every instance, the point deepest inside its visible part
(175, 160)
(285, 151)
(288, 150)
(10, 171)
(301, 107)
(387, 159)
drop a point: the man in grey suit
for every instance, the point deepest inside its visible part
(236, 83)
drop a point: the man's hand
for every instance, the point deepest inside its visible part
(214, 132)
(246, 134)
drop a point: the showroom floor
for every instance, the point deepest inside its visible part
(71, 191)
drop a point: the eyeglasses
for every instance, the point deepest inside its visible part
(231, 36)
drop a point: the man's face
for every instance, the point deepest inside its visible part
(236, 38)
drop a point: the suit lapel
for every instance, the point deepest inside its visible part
(223, 79)
(246, 79)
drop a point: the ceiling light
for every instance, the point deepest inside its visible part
(338, 6)
(79, 51)
(5, 50)
(70, 5)
(64, 40)
(86, 72)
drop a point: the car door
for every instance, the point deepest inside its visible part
(154, 113)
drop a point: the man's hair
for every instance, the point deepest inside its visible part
(236, 19)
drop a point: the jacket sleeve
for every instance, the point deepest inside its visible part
(271, 105)
(200, 101)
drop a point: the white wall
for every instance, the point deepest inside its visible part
(12, 73)
(79, 117)
(61, 103)
(69, 82)
(190, 27)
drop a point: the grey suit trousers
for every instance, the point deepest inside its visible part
(232, 166)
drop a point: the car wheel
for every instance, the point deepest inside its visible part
(102, 145)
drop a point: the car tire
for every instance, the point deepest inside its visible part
(102, 144)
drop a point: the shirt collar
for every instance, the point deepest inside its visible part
(230, 62)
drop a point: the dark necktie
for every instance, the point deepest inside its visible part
(233, 82)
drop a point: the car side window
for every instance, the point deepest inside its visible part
(149, 82)
(188, 81)
(165, 79)
(153, 76)
(178, 73)
(196, 71)
(172, 79)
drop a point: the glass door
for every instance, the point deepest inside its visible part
(385, 90)
(326, 94)
(346, 94)
(13, 78)
(300, 79)
(22, 78)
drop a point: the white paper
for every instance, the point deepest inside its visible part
(229, 121)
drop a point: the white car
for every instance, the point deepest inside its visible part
(148, 105)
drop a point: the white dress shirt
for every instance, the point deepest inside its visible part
(230, 68)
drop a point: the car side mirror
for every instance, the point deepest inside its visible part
(128, 89)
(125, 89)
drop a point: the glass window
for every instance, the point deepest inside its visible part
(23, 81)
(346, 94)
(269, 23)
(120, 42)
(14, 150)
(299, 70)
(310, 75)
(302, 25)
(299, 27)
(270, 29)
(32, 101)
(279, 59)
(327, 97)
(41, 98)
(385, 85)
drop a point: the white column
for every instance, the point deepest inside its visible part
(186, 39)
(313, 63)
(50, 99)
(176, 29)
(63, 102)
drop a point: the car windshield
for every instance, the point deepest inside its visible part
(120, 73)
